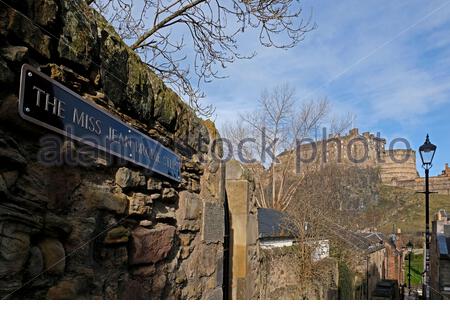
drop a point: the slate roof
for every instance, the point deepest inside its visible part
(272, 224)
(443, 246)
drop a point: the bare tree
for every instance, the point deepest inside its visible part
(322, 210)
(189, 41)
(264, 133)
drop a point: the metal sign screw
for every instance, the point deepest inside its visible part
(131, 154)
(27, 109)
(30, 74)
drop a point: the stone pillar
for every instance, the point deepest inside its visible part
(243, 227)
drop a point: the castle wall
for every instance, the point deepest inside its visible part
(398, 165)
(361, 150)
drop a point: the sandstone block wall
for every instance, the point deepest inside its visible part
(105, 230)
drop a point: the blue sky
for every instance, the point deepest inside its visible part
(388, 62)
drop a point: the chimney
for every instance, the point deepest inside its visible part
(354, 132)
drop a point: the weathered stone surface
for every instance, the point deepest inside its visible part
(79, 37)
(55, 226)
(114, 62)
(43, 12)
(154, 185)
(144, 270)
(189, 206)
(10, 154)
(3, 186)
(127, 178)
(213, 223)
(145, 223)
(67, 76)
(103, 199)
(215, 294)
(169, 195)
(139, 88)
(54, 256)
(159, 282)
(202, 261)
(139, 204)
(114, 256)
(30, 34)
(132, 289)
(14, 246)
(252, 229)
(10, 178)
(235, 171)
(151, 245)
(117, 235)
(35, 263)
(67, 289)
(6, 76)
(14, 53)
(166, 105)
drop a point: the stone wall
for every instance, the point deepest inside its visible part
(106, 229)
(439, 184)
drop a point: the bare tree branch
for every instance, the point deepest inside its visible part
(189, 42)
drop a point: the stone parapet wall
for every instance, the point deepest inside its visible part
(108, 229)
(438, 184)
(398, 165)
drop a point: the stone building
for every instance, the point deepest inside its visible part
(361, 150)
(92, 226)
(440, 256)
(395, 255)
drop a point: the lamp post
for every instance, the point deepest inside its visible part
(427, 151)
(409, 247)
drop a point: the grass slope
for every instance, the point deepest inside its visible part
(405, 209)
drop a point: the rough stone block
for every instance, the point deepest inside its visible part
(154, 185)
(54, 256)
(215, 294)
(252, 229)
(140, 204)
(189, 206)
(117, 235)
(169, 195)
(103, 199)
(235, 171)
(151, 245)
(213, 223)
(14, 53)
(127, 178)
(35, 263)
(14, 246)
(67, 289)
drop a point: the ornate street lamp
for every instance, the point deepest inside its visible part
(409, 248)
(427, 151)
